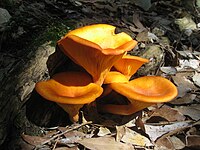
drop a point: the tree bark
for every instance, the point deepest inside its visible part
(17, 81)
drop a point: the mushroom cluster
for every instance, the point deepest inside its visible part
(108, 68)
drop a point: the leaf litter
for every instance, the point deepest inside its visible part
(174, 125)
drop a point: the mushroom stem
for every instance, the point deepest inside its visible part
(129, 109)
(100, 79)
(139, 105)
(72, 110)
(107, 90)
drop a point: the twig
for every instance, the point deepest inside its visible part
(54, 147)
(68, 130)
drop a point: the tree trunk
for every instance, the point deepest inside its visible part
(17, 81)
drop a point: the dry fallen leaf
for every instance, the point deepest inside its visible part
(33, 140)
(192, 111)
(104, 143)
(156, 131)
(183, 83)
(67, 148)
(192, 141)
(163, 143)
(168, 113)
(177, 143)
(196, 79)
(171, 142)
(168, 70)
(73, 134)
(120, 132)
(137, 22)
(187, 99)
(103, 131)
(72, 137)
(189, 53)
(135, 138)
(188, 64)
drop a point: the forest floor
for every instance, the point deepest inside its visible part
(171, 28)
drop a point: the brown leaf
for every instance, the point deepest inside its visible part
(135, 138)
(196, 79)
(170, 142)
(142, 36)
(72, 133)
(137, 22)
(168, 70)
(188, 98)
(192, 111)
(67, 148)
(177, 143)
(103, 131)
(156, 131)
(183, 83)
(186, 64)
(164, 143)
(140, 124)
(33, 140)
(104, 143)
(169, 114)
(120, 132)
(194, 130)
(193, 141)
(71, 137)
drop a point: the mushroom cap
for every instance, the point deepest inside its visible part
(115, 77)
(69, 88)
(151, 89)
(128, 65)
(103, 35)
(96, 48)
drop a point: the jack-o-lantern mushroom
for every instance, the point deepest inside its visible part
(141, 92)
(125, 68)
(96, 48)
(128, 65)
(70, 90)
(112, 77)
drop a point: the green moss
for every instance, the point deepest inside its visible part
(53, 33)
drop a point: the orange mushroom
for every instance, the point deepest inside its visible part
(71, 90)
(128, 65)
(96, 48)
(115, 77)
(128, 109)
(142, 92)
(112, 77)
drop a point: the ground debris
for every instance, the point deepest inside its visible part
(167, 34)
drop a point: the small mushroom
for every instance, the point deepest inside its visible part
(70, 90)
(142, 92)
(112, 77)
(96, 48)
(128, 65)
(115, 77)
(147, 89)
